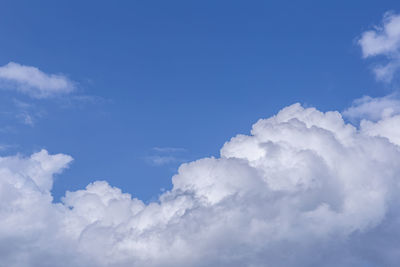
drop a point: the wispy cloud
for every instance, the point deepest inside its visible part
(169, 149)
(5, 147)
(26, 119)
(34, 82)
(26, 113)
(38, 85)
(165, 155)
(161, 160)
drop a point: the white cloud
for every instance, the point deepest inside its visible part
(33, 82)
(373, 109)
(388, 127)
(383, 41)
(304, 189)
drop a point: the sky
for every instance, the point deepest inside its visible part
(179, 74)
(133, 126)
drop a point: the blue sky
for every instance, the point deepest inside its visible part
(199, 133)
(184, 75)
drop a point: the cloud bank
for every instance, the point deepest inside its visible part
(303, 189)
(383, 41)
(33, 82)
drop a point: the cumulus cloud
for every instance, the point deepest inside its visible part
(303, 189)
(373, 109)
(383, 40)
(34, 82)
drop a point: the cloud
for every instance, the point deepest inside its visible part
(383, 128)
(162, 159)
(373, 109)
(383, 41)
(33, 82)
(166, 155)
(4, 147)
(26, 119)
(169, 149)
(26, 113)
(303, 189)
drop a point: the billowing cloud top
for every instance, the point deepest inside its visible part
(384, 41)
(304, 189)
(32, 81)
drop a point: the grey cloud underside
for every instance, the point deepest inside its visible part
(303, 189)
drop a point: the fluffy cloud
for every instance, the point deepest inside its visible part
(383, 41)
(303, 189)
(32, 81)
